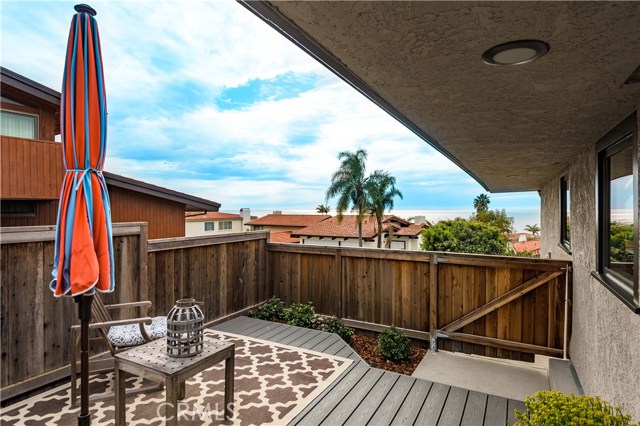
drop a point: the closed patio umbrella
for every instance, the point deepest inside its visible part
(83, 262)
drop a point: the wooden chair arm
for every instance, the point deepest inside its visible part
(107, 324)
(142, 304)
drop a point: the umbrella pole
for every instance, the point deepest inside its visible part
(84, 312)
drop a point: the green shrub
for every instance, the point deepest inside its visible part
(332, 325)
(394, 345)
(300, 314)
(553, 408)
(270, 310)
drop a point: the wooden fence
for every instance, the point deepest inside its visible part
(227, 273)
(34, 324)
(504, 307)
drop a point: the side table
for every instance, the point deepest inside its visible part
(151, 361)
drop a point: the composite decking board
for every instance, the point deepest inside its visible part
(336, 347)
(308, 343)
(266, 335)
(365, 411)
(353, 398)
(286, 335)
(411, 405)
(296, 336)
(388, 408)
(325, 343)
(433, 405)
(496, 412)
(330, 400)
(345, 352)
(249, 331)
(235, 325)
(453, 407)
(326, 392)
(512, 406)
(474, 409)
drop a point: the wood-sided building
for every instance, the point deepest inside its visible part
(32, 171)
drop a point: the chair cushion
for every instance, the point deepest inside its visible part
(129, 335)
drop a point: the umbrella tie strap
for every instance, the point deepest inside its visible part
(84, 172)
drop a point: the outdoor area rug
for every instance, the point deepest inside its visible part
(273, 383)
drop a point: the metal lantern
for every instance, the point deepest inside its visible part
(185, 326)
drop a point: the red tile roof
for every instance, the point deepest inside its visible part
(533, 246)
(412, 230)
(348, 227)
(288, 219)
(212, 215)
(283, 237)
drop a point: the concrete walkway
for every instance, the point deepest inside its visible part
(506, 378)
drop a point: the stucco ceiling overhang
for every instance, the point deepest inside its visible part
(512, 128)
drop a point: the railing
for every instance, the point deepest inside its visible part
(506, 307)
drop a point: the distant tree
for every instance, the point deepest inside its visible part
(381, 190)
(496, 218)
(481, 203)
(323, 208)
(534, 229)
(348, 184)
(463, 236)
(621, 242)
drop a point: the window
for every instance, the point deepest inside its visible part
(18, 208)
(565, 212)
(617, 212)
(224, 225)
(209, 226)
(18, 125)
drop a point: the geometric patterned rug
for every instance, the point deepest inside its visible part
(273, 383)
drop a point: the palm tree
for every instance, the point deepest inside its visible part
(481, 203)
(348, 184)
(534, 229)
(323, 208)
(381, 188)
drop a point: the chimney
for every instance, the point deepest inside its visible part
(277, 212)
(419, 220)
(245, 214)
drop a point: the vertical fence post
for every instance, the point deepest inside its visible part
(340, 283)
(433, 302)
(566, 311)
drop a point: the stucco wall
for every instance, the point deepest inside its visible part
(196, 228)
(605, 338)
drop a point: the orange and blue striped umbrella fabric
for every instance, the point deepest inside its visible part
(83, 260)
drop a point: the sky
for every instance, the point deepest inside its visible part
(205, 98)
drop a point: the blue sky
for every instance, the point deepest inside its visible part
(207, 99)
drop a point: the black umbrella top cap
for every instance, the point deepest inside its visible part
(85, 8)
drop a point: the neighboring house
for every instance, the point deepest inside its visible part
(521, 236)
(397, 232)
(212, 223)
(283, 237)
(32, 170)
(516, 118)
(531, 246)
(278, 222)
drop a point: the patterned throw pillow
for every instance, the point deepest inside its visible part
(129, 335)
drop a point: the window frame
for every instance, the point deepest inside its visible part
(33, 211)
(565, 211)
(225, 225)
(213, 226)
(621, 137)
(36, 122)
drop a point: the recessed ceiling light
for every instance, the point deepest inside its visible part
(515, 52)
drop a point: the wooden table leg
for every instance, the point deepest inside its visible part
(171, 406)
(229, 364)
(121, 409)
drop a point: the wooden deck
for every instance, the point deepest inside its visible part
(369, 396)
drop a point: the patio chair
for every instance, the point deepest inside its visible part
(118, 336)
